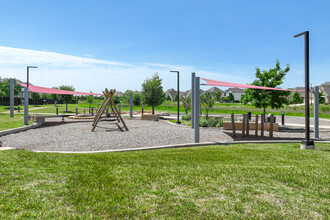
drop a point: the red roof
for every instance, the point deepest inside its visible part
(39, 89)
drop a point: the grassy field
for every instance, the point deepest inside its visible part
(274, 181)
(219, 108)
(6, 122)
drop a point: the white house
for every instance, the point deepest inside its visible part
(237, 92)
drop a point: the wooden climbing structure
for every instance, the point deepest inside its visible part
(108, 101)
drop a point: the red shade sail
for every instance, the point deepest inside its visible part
(210, 82)
(39, 89)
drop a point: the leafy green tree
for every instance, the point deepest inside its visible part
(168, 98)
(90, 99)
(55, 97)
(175, 98)
(261, 98)
(46, 96)
(321, 98)
(116, 99)
(66, 98)
(5, 88)
(296, 98)
(230, 97)
(136, 99)
(35, 96)
(208, 100)
(152, 92)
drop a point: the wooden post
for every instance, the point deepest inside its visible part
(247, 125)
(119, 110)
(271, 126)
(283, 118)
(262, 121)
(84, 111)
(256, 126)
(243, 126)
(56, 110)
(66, 107)
(142, 110)
(76, 111)
(233, 124)
(107, 111)
(18, 108)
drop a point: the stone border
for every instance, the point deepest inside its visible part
(177, 146)
(16, 130)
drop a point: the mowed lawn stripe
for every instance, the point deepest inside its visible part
(234, 181)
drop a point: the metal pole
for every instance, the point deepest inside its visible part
(178, 120)
(192, 98)
(131, 105)
(196, 110)
(307, 87)
(307, 143)
(12, 97)
(316, 112)
(26, 106)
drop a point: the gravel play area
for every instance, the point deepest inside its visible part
(77, 136)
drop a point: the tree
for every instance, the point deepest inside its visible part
(55, 97)
(230, 97)
(136, 99)
(116, 99)
(296, 98)
(186, 101)
(168, 98)
(208, 99)
(90, 100)
(321, 98)
(152, 92)
(35, 96)
(66, 98)
(5, 88)
(261, 98)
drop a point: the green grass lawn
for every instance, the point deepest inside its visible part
(6, 122)
(219, 108)
(273, 181)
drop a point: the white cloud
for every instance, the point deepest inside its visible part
(86, 74)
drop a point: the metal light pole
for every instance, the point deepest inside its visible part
(192, 99)
(26, 97)
(178, 94)
(307, 143)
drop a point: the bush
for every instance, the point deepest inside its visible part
(212, 122)
(186, 117)
(203, 122)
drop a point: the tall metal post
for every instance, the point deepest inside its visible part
(178, 120)
(26, 106)
(307, 143)
(12, 97)
(131, 105)
(316, 112)
(192, 98)
(178, 95)
(196, 109)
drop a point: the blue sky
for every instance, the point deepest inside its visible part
(117, 44)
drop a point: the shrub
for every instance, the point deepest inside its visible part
(212, 122)
(186, 117)
(203, 122)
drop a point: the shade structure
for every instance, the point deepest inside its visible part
(210, 82)
(39, 89)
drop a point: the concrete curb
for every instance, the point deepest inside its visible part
(178, 146)
(16, 130)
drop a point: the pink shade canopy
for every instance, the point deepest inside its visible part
(39, 89)
(210, 82)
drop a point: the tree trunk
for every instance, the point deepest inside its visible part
(265, 114)
(153, 109)
(207, 114)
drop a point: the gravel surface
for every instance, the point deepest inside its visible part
(77, 136)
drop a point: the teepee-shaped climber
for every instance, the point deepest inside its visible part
(108, 101)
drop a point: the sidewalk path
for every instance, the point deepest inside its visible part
(36, 108)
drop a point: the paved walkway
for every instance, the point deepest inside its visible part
(36, 108)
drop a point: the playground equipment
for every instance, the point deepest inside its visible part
(108, 101)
